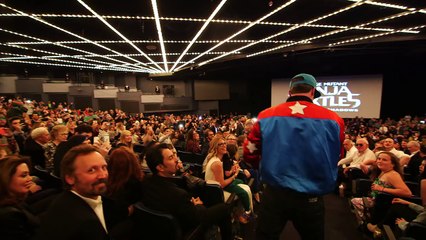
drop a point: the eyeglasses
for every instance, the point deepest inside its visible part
(359, 145)
(221, 144)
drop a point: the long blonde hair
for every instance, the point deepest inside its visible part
(213, 146)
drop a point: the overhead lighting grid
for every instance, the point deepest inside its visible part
(68, 32)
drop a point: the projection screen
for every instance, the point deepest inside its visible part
(348, 96)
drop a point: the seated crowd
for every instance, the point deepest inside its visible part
(391, 162)
(108, 161)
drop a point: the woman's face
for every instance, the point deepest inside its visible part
(21, 181)
(221, 147)
(127, 138)
(384, 162)
(62, 136)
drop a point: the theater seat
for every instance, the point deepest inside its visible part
(415, 230)
(152, 224)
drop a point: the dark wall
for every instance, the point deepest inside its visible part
(402, 66)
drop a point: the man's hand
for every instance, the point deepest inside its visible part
(400, 220)
(196, 201)
(400, 201)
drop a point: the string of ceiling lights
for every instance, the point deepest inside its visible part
(132, 64)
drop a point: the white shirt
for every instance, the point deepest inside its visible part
(398, 154)
(360, 157)
(350, 154)
(96, 205)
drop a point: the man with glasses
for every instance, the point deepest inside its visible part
(359, 163)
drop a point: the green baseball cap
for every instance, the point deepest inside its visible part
(304, 78)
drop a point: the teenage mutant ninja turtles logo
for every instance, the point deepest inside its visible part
(338, 97)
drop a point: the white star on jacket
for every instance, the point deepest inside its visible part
(251, 147)
(297, 108)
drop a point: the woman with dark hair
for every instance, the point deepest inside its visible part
(193, 142)
(387, 179)
(125, 176)
(16, 221)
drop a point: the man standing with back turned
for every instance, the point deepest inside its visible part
(297, 145)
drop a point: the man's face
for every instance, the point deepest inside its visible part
(170, 164)
(388, 143)
(3, 121)
(16, 124)
(90, 175)
(361, 146)
(347, 145)
(44, 138)
(210, 135)
(105, 126)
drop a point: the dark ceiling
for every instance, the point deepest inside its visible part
(122, 35)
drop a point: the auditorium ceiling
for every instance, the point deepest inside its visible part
(160, 37)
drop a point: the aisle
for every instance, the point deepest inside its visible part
(340, 223)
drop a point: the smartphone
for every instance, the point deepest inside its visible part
(104, 138)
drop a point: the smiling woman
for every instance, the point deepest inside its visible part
(16, 221)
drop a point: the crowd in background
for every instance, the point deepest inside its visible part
(46, 131)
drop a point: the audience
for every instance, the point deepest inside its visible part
(27, 133)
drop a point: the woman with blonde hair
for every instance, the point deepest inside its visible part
(58, 134)
(126, 140)
(213, 168)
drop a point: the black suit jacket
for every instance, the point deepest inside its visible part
(163, 194)
(70, 217)
(35, 151)
(17, 222)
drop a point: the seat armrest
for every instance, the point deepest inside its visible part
(388, 233)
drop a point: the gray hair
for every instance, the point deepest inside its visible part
(37, 132)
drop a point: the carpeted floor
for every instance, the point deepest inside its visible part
(340, 223)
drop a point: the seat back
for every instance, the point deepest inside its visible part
(361, 187)
(152, 224)
(414, 187)
(415, 230)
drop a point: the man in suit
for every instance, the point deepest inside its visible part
(80, 212)
(34, 146)
(162, 193)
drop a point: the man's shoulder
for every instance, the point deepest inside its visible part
(65, 202)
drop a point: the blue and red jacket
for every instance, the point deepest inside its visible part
(297, 145)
